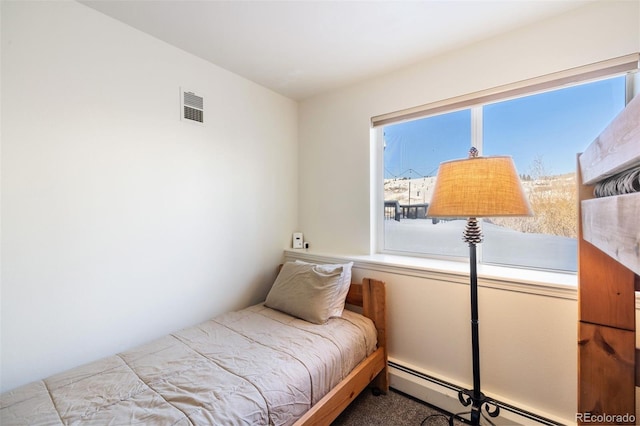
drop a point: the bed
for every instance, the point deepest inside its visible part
(608, 272)
(262, 365)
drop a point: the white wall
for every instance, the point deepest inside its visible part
(528, 340)
(120, 222)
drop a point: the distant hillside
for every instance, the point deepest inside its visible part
(553, 200)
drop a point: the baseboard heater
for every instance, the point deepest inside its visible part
(452, 387)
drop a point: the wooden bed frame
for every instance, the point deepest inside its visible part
(371, 297)
(608, 276)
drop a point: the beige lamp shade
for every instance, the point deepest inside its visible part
(478, 187)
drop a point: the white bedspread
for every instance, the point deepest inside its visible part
(256, 366)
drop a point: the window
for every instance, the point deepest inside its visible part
(412, 153)
(542, 132)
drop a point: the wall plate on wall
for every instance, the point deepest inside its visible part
(297, 240)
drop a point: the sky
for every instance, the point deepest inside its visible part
(549, 128)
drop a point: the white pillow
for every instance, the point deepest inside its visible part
(345, 282)
(305, 291)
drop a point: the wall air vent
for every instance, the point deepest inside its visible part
(191, 106)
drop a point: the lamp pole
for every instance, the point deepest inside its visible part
(473, 235)
(475, 341)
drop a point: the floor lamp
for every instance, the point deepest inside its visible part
(472, 188)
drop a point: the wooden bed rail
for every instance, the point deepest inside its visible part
(637, 367)
(370, 295)
(616, 149)
(338, 398)
(611, 223)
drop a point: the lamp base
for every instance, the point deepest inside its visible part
(477, 400)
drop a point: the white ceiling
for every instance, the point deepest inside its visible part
(302, 48)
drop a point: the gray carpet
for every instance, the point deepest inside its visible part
(392, 409)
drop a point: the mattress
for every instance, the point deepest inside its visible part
(255, 366)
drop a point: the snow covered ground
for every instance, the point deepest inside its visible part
(500, 245)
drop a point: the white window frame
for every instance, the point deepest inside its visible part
(626, 65)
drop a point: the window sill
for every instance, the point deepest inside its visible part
(544, 283)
